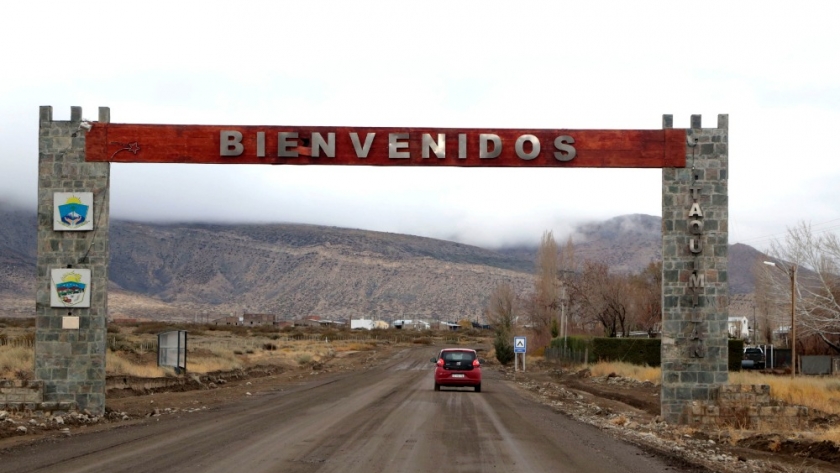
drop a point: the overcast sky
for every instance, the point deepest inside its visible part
(772, 66)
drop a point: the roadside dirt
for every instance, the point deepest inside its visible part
(632, 408)
(627, 408)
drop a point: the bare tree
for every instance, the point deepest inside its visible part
(646, 290)
(604, 298)
(816, 260)
(501, 311)
(546, 302)
(566, 273)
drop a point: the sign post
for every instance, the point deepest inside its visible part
(519, 346)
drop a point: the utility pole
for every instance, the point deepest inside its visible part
(791, 271)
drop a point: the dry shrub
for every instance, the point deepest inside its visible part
(304, 359)
(627, 370)
(14, 359)
(816, 393)
(735, 435)
(618, 420)
(353, 346)
(24, 375)
(209, 365)
(215, 359)
(116, 364)
(832, 435)
(422, 341)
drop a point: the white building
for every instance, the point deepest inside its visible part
(366, 324)
(739, 327)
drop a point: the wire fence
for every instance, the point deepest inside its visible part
(567, 355)
(116, 343)
(257, 343)
(22, 342)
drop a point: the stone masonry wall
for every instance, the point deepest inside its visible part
(695, 287)
(70, 362)
(746, 406)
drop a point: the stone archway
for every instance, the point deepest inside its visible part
(75, 157)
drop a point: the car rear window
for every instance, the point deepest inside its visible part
(458, 356)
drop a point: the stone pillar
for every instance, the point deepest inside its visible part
(695, 288)
(70, 362)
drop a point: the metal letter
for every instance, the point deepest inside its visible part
(697, 280)
(462, 146)
(439, 147)
(395, 143)
(695, 245)
(260, 144)
(230, 143)
(565, 152)
(695, 210)
(319, 144)
(520, 147)
(695, 191)
(695, 227)
(286, 140)
(362, 151)
(483, 140)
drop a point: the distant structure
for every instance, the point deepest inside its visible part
(229, 320)
(258, 319)
(739, 327)
(411, 325)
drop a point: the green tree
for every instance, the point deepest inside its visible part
(501, 314)
(504, 347)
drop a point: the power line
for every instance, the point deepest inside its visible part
(776, 235)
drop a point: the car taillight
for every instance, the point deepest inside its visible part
(440, 362)
(476, 364)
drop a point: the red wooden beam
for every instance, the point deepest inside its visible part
(212, 144)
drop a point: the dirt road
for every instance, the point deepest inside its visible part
(386, 418)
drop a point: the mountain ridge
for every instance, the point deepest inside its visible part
(192, 270)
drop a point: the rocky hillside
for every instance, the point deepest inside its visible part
(199, 271)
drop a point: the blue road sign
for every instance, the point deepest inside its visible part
(519, 344)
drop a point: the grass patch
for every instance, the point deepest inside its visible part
(14, 360)
(832, 434)
(627, 370)
(117, 364)
(822, 394)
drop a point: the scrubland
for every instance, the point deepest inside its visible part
(821, 394)
(132, 348)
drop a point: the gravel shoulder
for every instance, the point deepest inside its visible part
(630, 409)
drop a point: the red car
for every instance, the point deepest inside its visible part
(457, 367)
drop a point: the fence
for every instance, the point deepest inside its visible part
(24, 342)
(567, 355)
(819, 365)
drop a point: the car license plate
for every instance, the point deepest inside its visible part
(457, 375)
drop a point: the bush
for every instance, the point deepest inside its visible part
(504, 348)
(643, 351)
(637, 351)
